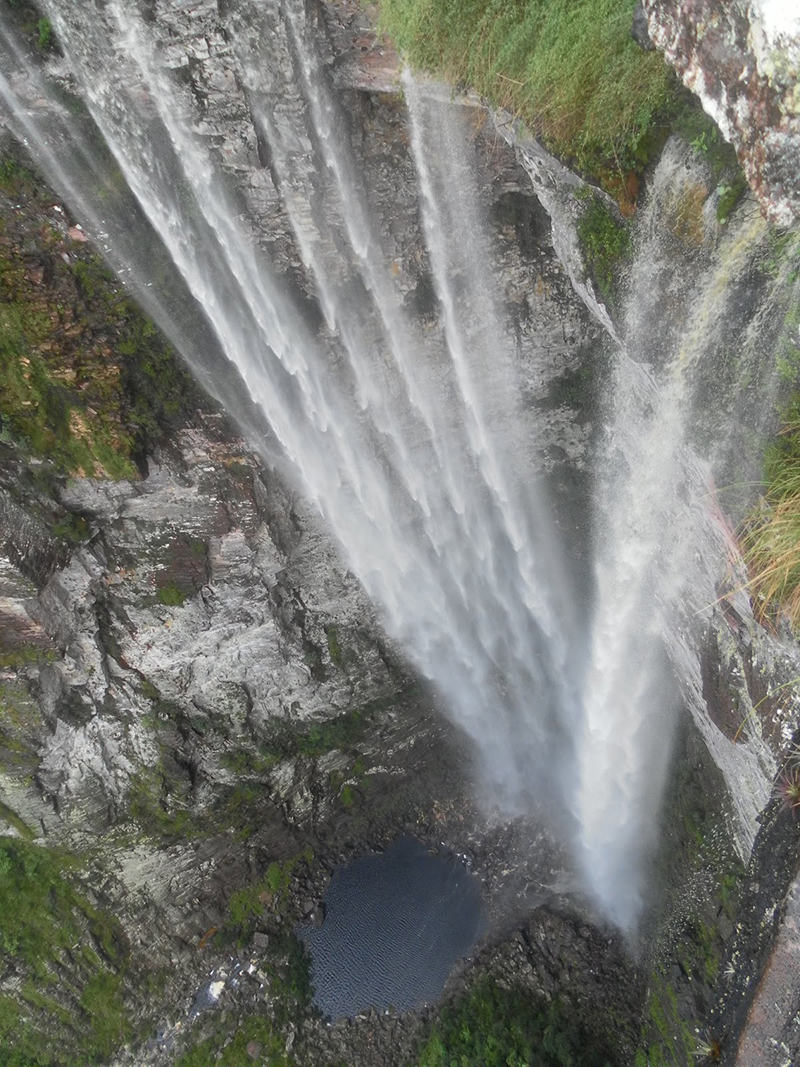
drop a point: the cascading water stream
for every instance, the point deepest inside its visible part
(660, 544)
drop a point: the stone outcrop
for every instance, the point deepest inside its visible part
(742, 60)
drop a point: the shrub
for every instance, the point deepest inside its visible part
(496, 1027)
(606, 245)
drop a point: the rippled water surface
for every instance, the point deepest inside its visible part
(395, 924)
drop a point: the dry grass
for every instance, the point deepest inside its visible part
(771, 540)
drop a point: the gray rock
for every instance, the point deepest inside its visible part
(640, 31)
(741, 59)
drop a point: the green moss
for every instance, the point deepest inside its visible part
(344, 732)
(26, 656)
(249, 904)
(13, 176)
(158, 814)
(348, 796)
(730, 193)
(496, 1027)
(668, 1039)
(334, 648)
(45, 31)
(10, 817)
(606, 245)
(109, 1026)
(86, 380)
(40, 414)
(246, 763)
(73, 529)
(171, 596)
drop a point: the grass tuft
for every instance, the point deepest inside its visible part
(772, 539)
(568, 68)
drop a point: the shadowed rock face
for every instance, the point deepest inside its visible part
(741, 59)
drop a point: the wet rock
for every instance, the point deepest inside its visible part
(741, 59)
(639, 28)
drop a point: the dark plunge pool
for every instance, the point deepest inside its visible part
(395, 923)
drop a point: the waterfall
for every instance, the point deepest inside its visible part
(397, 438)
(410, 443)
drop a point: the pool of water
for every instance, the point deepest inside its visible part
(395, 924)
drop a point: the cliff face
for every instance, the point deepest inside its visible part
(741, 59)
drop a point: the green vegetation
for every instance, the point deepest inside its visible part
(496, 1027)
(772, 539)
(46, 924)
(344, 732)
(13, 176)
(86, 380)
(771, 536)
(270, 893)
(334, 648)
(606, 245)
(214, 1052)
(159, 816)
(568, 68)
(39, 413)
(671, 1040)
(171, 596)
(45, 39)
(10, 817)
(704, 136)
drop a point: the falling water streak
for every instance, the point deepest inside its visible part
(538, 653)
(469, 260)
(364, 245)
(644, 573)
(320, 477)
(456, 482)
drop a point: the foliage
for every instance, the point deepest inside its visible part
(772, 538)
(73, 529)
(39, 412)
(171, 596)
(45, 924)
(496, 1027)
(247, 905)
(606, 243)
(704, 136)
(568, 68)
(149, 809)
(254, 1028)
(109, 1026)
(344, 732)
(787, 789)
(45, 31)
(86, 380)
(334, 647)
(13, 176)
